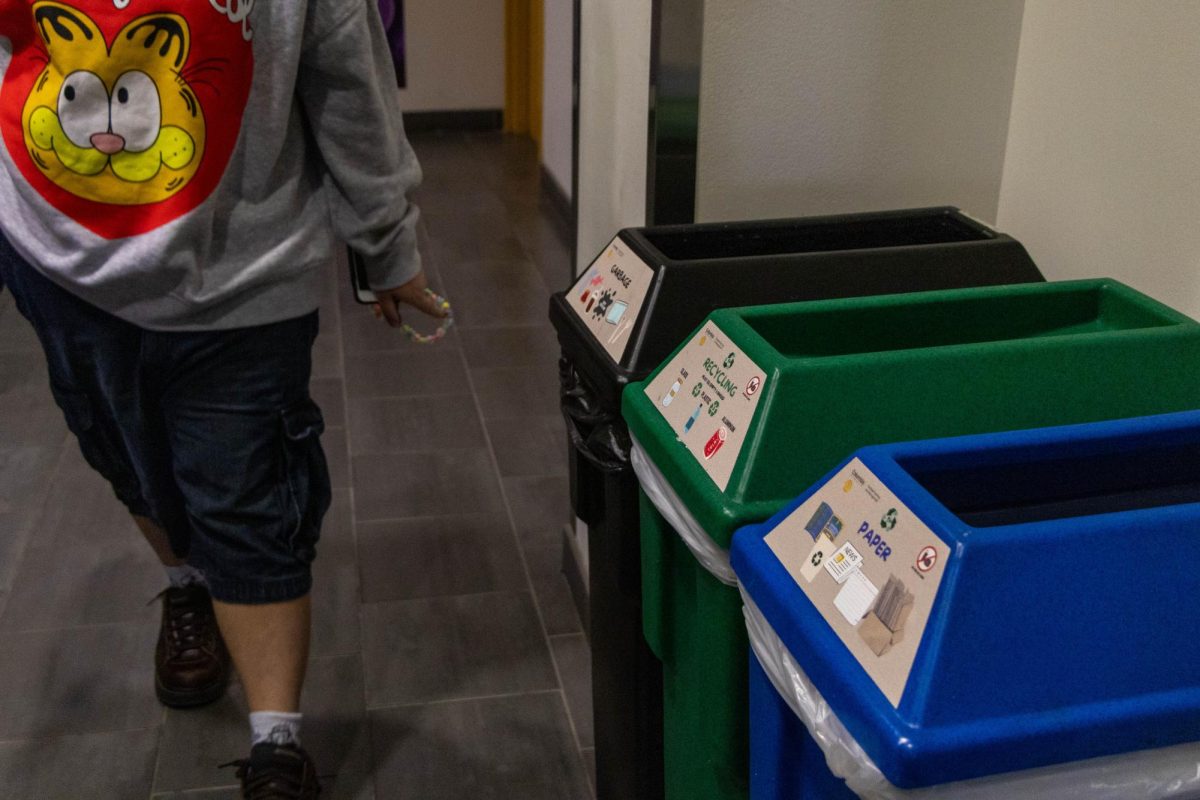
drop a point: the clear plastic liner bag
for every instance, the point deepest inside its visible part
(715, 559)
(1168, 772)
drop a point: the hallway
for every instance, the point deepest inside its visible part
(448, 660)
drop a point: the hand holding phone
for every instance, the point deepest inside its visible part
(386, 302)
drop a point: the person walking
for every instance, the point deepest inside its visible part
(174, 180)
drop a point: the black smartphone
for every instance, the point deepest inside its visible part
(358, 279)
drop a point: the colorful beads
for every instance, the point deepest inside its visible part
(422, 338)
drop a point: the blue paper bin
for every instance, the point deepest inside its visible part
(998, 616)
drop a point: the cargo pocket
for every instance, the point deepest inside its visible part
(306, 478)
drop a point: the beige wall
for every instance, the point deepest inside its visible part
(821, 106)
(556, 92)
(614, 95)
(1103, 169)
(455, 55)
(614, 85)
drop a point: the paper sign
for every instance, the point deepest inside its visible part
(843, 562)
(856, 597)
(608, 296)
(708, 394)
(879, 594)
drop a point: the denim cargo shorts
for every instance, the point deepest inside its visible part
(213, 434)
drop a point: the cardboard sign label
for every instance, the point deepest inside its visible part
(608, 296)
(876, 589)
(708, 393)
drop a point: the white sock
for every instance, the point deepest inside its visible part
(185, 575)
(276, 727)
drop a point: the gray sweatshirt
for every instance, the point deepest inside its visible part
(192, 164)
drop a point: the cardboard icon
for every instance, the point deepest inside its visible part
(882, 627)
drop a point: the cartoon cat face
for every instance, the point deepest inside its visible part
(115, 124)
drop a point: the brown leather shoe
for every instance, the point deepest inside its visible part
(191, 664)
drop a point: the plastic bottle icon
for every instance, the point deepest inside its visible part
(670, 395)
(687, 426)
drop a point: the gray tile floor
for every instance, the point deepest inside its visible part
(448, 660)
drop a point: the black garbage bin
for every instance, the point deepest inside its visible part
(638, 300)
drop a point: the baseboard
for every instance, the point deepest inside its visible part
(576, 579)
(483, 119)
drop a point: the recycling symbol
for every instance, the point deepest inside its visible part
(889, 520)
(729, 361)
(817, 558)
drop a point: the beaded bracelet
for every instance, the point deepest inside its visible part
(428, 338)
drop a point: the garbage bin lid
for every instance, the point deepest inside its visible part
(840, 374)
(1002, 602)
(649, 286)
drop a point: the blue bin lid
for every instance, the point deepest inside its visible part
(1065, 625)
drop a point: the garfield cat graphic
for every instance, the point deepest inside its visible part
(114, 122)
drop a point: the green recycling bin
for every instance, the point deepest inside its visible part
(759, 402)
